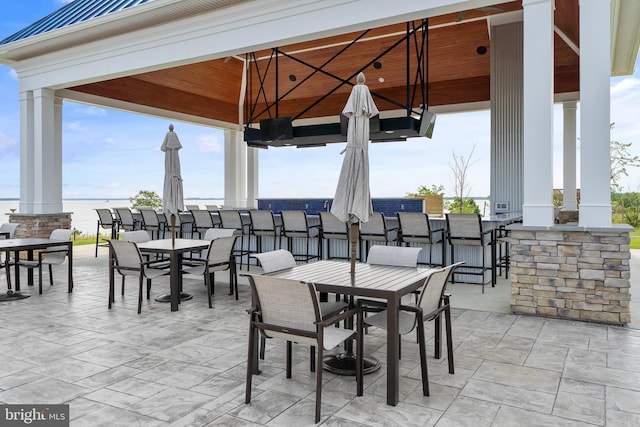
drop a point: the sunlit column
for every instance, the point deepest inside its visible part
(235, 169)
(538, 112)
(26, 153)
(569, 201)
(47, 165)
(252, 177)
(595, 72)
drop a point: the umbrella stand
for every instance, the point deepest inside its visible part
(345, 363)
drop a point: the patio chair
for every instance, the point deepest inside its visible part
(263, 224)
(331, 228)
(432, 302)
(202, 221)
(54, 255)
(288, 310)
(191, 207)
(107, 222)
(281, 260)
(219, 257)
(467, 230)
(9, 227)
(128, 261)
(231, 218)
(295, 225)
(415, 229)
(151, 221)
(376, 230)
(126, 219)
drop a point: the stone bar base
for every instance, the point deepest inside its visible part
(571, 272)
(39, 225)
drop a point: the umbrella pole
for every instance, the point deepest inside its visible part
(173, 230)
(353, 236)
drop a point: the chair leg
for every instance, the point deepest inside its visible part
(250, 365)
(447, 320)
(312, 358)
(148, 288)
(140, 293)
(319, 383)
(263, 344)
(122, 292)
(50, 275)
(97, 238)
(207, 282)
(423, 358)
(289, 349)
(359, 354)
(39, 278)
(437, 341)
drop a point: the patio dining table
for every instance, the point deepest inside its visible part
(374, 281)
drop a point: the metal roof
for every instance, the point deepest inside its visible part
(73, 13)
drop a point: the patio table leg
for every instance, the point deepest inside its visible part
(393, 350)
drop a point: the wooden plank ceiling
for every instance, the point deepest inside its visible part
(458, 71)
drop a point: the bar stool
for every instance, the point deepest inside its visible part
(150, 221)
(231, 218)
(467, 230)
(331, 228)
(376, 230)
(202, 221)
(296, 225)
(416, 229)
(106, 221)
(263, 224)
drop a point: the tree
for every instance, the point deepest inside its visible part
(468, 206)
(621, 159)
(146, 198)
(423, 190)
(461, 187)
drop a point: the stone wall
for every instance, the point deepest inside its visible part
(571, 272)
(39, 225)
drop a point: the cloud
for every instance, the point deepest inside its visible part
(91, 111)
(6, 142)
(623, 87)
(13, 74)
(209, 144)
(76, 126)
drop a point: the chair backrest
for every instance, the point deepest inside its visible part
(294, 221)
(216, 233)
(230, 218)
(433, 289)
(202, 218)
(414, 224)
(276, 260)
(126, 218)
(127, 255)
(464, 226)
(330, 224)
(149, 217)
(374, 226)
(137, 236)
(399, 256)
(286, 304)
(220, 250)
(192, 207)
(9, 227)
(262, 220)
(105, 218)
(61, 234)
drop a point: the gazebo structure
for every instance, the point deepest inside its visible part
(273, 72)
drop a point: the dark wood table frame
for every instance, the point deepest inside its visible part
(175, 250)
(377, 281)
(30, 244)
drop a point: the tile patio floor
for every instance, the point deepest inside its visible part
(187, 368)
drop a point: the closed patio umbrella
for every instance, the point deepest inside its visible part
(352, 201)
(172, 196)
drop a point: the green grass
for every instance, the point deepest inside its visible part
(635, 239)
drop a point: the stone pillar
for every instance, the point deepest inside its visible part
(538, 36)
(595, 73)
(571, 272)
(569, 201)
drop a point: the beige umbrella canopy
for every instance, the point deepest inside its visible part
(172, 196)
(352, 201)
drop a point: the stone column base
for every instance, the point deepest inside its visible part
(571, 272)
(39, 225)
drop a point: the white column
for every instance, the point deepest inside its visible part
(235, 169)
(538, 112)
(27, 184)
(252, 177)
(569, 201)
(595, 72)
(47, 165)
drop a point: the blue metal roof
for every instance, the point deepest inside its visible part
(72, 13)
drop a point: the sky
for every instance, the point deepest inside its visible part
(109, 154)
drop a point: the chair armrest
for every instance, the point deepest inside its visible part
(338, 317)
